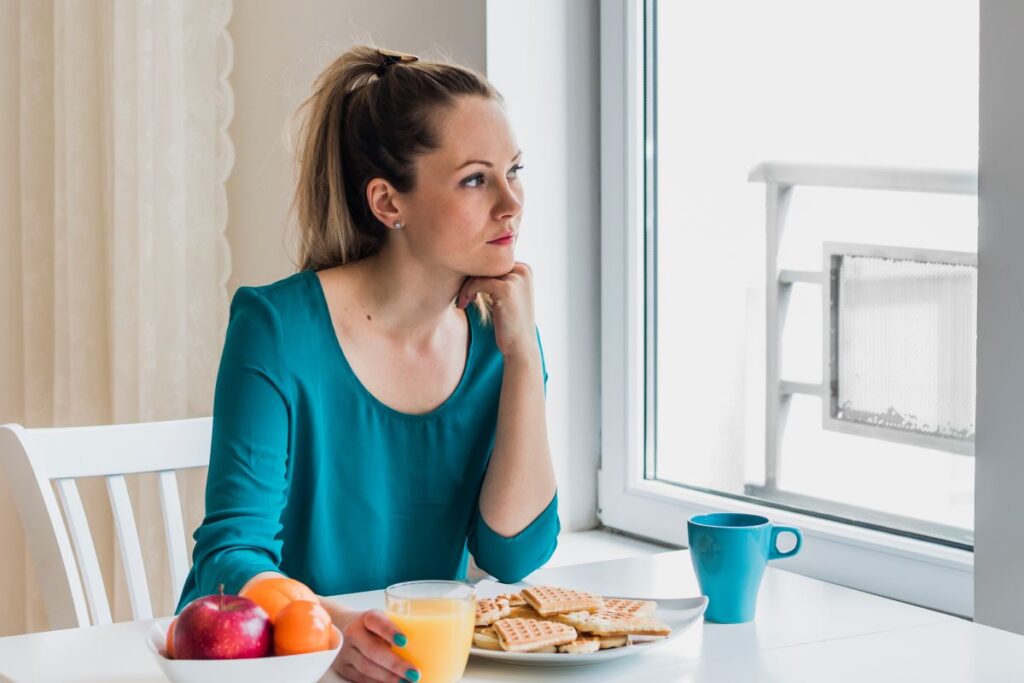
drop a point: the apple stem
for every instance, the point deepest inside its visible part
(221, 590)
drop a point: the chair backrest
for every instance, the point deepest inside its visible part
(65, 558)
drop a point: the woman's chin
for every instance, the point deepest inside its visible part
(494, 268)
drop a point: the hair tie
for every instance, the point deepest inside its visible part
(389, 57)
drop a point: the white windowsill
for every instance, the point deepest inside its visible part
(580, 547)
(598, 545)
(914, 571)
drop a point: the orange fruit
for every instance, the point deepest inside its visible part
(302, 626)
(273, 593)
(170, 638)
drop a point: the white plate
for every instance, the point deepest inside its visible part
(682, 615)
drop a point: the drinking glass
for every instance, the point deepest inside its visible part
(437, 618)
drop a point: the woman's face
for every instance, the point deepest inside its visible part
(467, 193)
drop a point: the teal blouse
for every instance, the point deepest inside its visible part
(313, 477)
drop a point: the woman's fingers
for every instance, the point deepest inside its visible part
(496, 287)
(350, 673)
(375, 646)
(376, 622)
(353, 665)
(373, 671)
(379, 662)
(345, 669)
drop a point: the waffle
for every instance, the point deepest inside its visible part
(581, 621)
(554, 619)
(513, 599)
(530, 635)
(486, 638)
(636, 608)
(609, 642)
(523, 612)
(581, 646)
(490, 610)
(548, 600)
(615, 624)
(574, 619)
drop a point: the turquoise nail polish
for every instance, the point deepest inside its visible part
(413, 675)
(400, 640)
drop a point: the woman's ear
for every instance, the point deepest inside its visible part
(382, 198)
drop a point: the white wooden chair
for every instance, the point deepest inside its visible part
(30, 459)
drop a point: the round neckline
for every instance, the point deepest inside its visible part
(328, 328)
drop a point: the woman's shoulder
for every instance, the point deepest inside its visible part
(277, 325)
(284, 299)
(291, 289)
(280, 308)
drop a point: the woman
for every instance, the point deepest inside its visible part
(381, 412)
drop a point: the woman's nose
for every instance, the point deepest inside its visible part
(509, 204)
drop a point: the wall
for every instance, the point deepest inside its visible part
(544, 58)
(999, 474)
(12, 565)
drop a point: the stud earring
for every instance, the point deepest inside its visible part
(398, 225)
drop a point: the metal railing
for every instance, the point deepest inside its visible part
(779, 180)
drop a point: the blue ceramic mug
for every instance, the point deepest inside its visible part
(729, 552)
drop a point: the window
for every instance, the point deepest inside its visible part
(797, 275)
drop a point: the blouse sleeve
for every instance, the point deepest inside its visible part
(509, 559)
(248, 477)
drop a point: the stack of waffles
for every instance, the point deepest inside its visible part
(552, 619)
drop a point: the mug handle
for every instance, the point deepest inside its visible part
(773, 549)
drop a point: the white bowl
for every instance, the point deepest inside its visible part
(307, 668)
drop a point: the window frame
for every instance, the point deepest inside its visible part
(908, 569)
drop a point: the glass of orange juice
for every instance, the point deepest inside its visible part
(437, 617)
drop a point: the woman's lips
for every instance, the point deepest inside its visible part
(504, 241)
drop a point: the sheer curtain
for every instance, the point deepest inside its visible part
(123, 151)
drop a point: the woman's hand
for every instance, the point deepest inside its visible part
(512, 308)
(366, 655)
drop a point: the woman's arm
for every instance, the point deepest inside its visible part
(516, 525)
(247, 479)
(520, 480)
(258, 577)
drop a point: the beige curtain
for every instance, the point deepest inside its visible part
(123, 108)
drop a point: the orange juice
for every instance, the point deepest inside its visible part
(439, 630)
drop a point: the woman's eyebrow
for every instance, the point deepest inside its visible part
(486, 163)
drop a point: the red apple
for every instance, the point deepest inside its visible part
(222, 627)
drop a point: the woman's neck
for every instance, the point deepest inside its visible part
(403, 299)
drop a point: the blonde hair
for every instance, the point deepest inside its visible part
(370, 114)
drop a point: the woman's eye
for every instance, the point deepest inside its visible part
(473, 179)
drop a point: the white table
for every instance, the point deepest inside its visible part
(805, 630)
